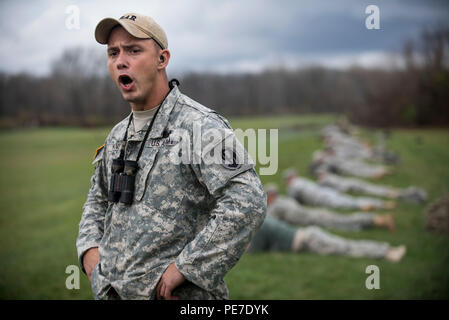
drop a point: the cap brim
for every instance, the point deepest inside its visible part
(104, 27)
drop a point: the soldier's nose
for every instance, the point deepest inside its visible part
(121, 62)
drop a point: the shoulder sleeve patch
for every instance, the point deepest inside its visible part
(97, 155)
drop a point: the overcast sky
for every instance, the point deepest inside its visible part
(224, 36)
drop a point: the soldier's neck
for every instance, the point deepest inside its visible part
(154, 99)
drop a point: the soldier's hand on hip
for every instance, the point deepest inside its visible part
(90, 260)
(170, 279)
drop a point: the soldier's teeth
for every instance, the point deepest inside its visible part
(125, 80)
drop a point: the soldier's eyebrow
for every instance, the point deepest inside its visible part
(131, 45)
(112, 49)
(125, 46)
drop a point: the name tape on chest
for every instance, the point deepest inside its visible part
(161, 142)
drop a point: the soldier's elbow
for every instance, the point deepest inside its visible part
(260, 208)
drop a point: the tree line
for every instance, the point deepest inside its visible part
(78, 92)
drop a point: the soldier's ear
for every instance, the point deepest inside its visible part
(164, 57)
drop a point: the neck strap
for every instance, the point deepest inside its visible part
(171, 84)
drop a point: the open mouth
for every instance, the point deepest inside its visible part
(126, 82)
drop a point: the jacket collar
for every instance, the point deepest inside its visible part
(162, 117)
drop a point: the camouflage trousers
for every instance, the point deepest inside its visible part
(314, 239)
(186, 291)
(336, 199)
(371, 189)
(359, 169)
(328, 219)
(358, 185)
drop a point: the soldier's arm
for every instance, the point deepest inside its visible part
(239, 212)
(92, 220)
(240, 208)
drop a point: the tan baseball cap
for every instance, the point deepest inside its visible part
(138, 25)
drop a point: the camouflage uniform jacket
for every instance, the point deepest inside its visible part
(200, 216)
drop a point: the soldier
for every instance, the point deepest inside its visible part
(344, 184)
(154, 226)
(308, 192)
(350, 147)
(290, 211)
(344, 144)
(276, 235)
(328, 160)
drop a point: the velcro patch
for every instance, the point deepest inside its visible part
(234, 165)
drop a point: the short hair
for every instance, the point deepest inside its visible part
(271, 188)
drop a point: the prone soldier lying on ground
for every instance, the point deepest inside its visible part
(289, 210)
(308, 192)
(348, 146)
(346, 184)
(327, 160)
(276, 235)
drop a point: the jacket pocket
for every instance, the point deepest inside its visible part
(148, 159)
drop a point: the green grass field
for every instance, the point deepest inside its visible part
(45, 176)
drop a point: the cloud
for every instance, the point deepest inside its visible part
(224, 36)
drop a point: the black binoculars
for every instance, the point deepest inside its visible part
(123, 178)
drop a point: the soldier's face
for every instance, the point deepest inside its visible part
(132, 65)
(290, 179)
(271, 197)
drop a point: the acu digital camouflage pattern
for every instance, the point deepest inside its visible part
(345, 184)
(344, 145)
(308, 192)
(345, 155)
(289, 210)
(356, 185)
(276, 235)
(349, 167)
(319, 241)
(200, 216)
